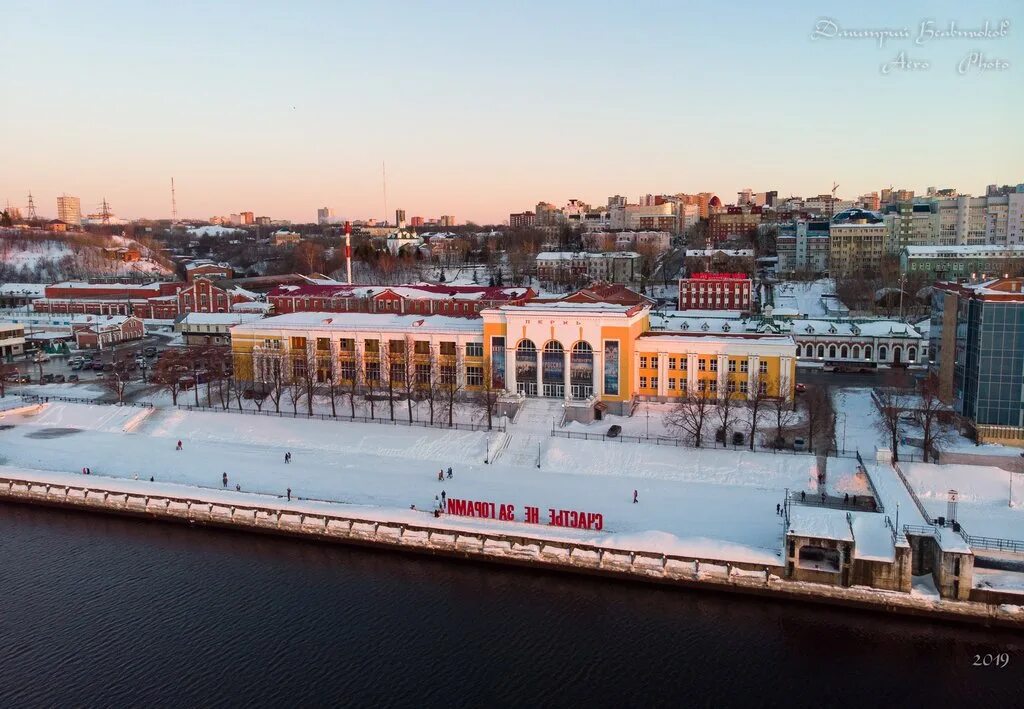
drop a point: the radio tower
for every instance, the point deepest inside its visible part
(31, 209)
(105, 212)
(174, 205)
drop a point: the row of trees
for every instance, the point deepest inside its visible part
(379, 384)
(697, 412)
(895, 407)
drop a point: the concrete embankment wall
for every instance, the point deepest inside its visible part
(537, 552)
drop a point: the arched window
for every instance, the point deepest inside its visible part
(809, 351)
(897, 354)
(553, 346)
(867, 351)
(844, 352)
(821, 351)
(526, 347)
(882, 352)
(832, 352)
(912, 354)
(856, 352)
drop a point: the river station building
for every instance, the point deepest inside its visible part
(596, 356)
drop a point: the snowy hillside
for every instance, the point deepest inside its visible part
(53, 257)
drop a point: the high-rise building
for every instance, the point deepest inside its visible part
(69, 210)
(323, 215)
(858, 241)
(977, 347)
(416, 222)
(521, 219)
(246, 218)
(447, 220)
(616, 201)
(400, 218)
(547, 214)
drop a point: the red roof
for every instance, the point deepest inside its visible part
(317, 290)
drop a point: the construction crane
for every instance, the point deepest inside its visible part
(832, 202)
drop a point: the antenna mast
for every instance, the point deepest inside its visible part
(174, 205)
(31, 208)
(105, 212)
(384, 177)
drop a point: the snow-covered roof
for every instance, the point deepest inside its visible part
(743, 253)
(251, 306)
(819, 523)
(654, 337)
(416, 291)
(367, 322)
(573, 255)
(85, 285)
(721, 322)
(205, 263)
(34, 290)
(566, 306)
(993, 250)
(219, 318)
(872, 537)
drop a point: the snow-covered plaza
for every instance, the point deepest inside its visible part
(694, 502)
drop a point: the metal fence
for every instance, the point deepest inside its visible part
(37, 399)
(679, 443)
(994, 543)
(498, 426)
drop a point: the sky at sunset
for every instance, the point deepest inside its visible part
(482, 108)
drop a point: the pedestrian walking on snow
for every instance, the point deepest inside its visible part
(440, 474)
(449, 473)
(442, 497)
(225, 479)
(179, 446)
(289, 494)
(846, 498)
(151, 478)
(803, 496)
(238, 488)
(777, 508)
(634, 497)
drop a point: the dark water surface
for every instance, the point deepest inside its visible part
(101, 611)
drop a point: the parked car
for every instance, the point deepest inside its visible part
(72, 378)
(108, 367)
(614, 430)
(58, 378)
(76, 366)
(801, 388)
(799, 444)
(149, 352)
(97, 366)
(47, 379)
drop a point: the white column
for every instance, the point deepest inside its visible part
(540, 372)
(662, 374)
(598, 381)
(784, 384)
(753, 362)
(691, 373)
(723, 374)
(510, 369)
(567, 388)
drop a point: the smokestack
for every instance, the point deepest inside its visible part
(348, 250)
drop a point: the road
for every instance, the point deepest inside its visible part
(58, 364)
(903, 378)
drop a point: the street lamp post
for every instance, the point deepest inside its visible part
(903, 283)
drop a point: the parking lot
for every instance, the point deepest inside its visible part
(100, 362)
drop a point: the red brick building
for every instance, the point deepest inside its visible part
(156, 301)
(424, 299)
(209, 270)
(715, 291)
(99, 332)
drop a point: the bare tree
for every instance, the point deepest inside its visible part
(725, 411)
(274, 365)
(296, 370)
(487, 399)
(820, 421)
(890, 405)
(428, 386)
(757, 403)
(311, 378)
(117, 380)
(352, 376)
(372, 380)
(690, 415)
(410, 369)
(450, 382)
(928, 414)
(781, 411)
(168, 372)
(388, 372)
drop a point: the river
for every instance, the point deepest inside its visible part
(104, 611)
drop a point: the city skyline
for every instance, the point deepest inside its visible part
(241, 125)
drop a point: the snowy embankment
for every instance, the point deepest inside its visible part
(984, 505)
(690, 502)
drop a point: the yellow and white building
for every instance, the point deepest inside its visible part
(586, 353)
